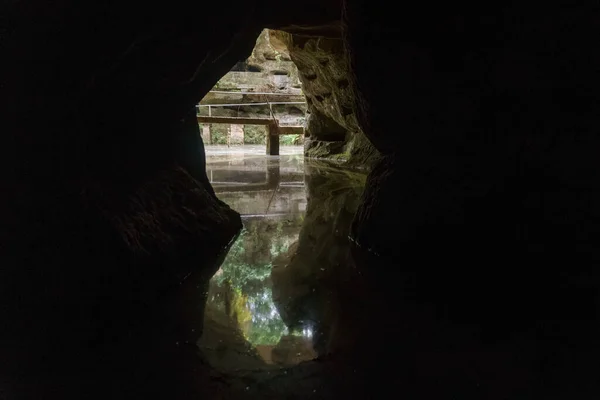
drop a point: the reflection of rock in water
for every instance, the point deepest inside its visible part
(289, 351)
(292, 350)
(314, 278)
(228, 294)
(223, 344)
(243, 325)
(294, 269)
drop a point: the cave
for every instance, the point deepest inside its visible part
(464, 262)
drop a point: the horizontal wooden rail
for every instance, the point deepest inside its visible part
(251, 104)
(281, 129)
(262, 93)
(234, 120)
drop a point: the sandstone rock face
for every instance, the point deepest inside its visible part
(273, 58)
(323, 70)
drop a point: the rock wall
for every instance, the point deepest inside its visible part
(273, 58)
(332, 129)
(487, 179)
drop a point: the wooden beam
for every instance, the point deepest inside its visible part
(272, 141)
(275, 130)
(234, 120)
(291, 130)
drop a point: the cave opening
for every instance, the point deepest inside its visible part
(270, 303)
(258, 102)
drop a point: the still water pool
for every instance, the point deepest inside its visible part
(271, 304)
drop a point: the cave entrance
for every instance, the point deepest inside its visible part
(273, 302)
(259, 102)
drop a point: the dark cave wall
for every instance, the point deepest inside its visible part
(488, 177)
(491, 129)
(109, 208)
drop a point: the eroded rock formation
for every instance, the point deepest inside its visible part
(332, 130)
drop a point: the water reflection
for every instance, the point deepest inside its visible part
(242, 287)
(267, 304)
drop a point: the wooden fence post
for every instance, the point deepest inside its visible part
(273, 140)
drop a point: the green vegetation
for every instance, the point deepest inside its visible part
(247, 270)
(288, 140)
(267, 326)
(219, 133)
(255, 134)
